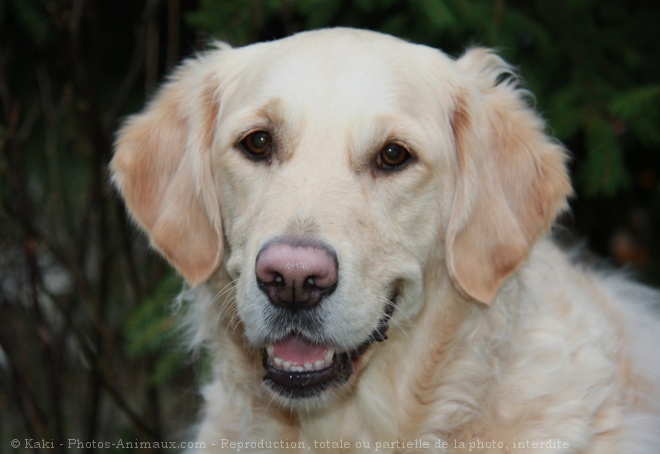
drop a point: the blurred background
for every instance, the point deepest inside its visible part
(88, 343)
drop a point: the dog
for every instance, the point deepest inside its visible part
(365, 225)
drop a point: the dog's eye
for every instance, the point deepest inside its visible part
(257, 145)
(392, 156)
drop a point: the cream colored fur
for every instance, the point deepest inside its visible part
(499, 342)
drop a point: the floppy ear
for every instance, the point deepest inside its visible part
(512, 179)
(161, 167)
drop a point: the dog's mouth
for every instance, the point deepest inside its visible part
(298, 368)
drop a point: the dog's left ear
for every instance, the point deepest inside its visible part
(162, 169)
(511, 178)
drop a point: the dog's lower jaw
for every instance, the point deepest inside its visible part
(296, 385)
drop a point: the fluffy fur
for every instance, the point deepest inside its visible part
(498, 342)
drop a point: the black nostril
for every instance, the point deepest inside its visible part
(293, 295)
(296, 275)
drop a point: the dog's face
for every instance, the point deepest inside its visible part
(327, 174)
(333, 175)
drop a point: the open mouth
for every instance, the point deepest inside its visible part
(298, 368)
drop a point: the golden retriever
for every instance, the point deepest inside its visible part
(363, 223)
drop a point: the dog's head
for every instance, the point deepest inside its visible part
(336, 177)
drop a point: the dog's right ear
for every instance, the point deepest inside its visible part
(161, 167)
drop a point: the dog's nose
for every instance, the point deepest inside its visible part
(296, 275)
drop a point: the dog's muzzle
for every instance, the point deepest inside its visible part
(298, 368)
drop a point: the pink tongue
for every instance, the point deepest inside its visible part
(299, 351)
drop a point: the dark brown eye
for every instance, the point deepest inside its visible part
(257, 145)
(392, 156)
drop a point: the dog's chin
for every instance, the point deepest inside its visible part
(300, 373)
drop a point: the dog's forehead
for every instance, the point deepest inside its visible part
(344, 70)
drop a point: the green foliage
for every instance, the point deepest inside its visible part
(30, 17)
(153, 332)
(603, 170)
(240, 18)
(639, 109)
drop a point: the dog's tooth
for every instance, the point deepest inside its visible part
(329, 354)
(288, 366)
